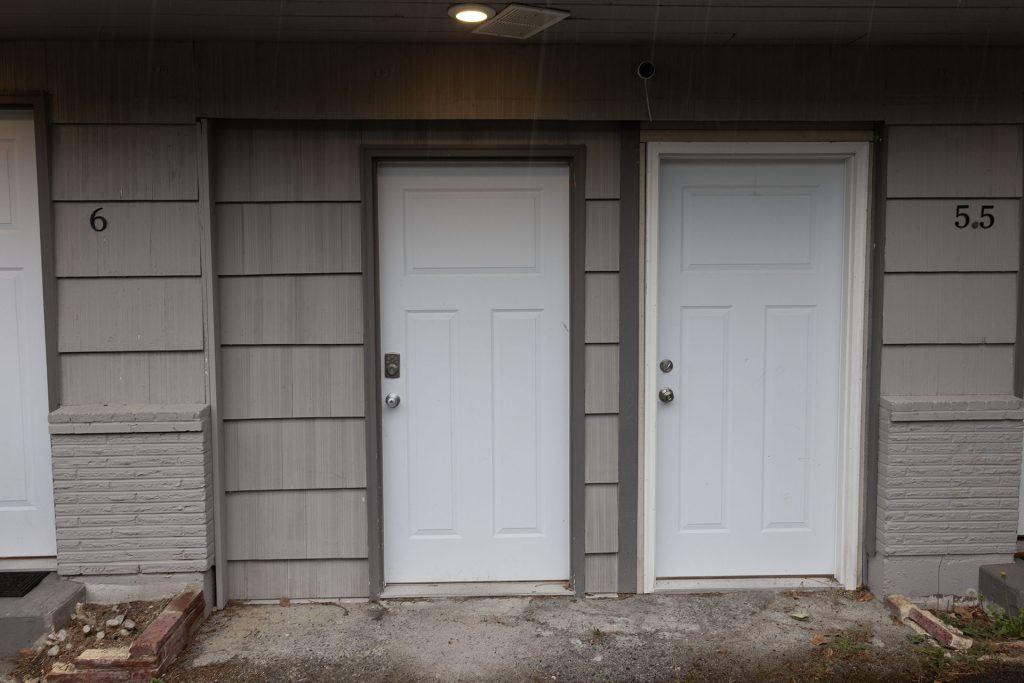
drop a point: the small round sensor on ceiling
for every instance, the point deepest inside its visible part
(470, 13)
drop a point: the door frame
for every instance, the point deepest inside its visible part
(854, 353)
(371, 158)
(38, 103)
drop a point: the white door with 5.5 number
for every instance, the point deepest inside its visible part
(750, 283)
(26, 489)
(474, 298)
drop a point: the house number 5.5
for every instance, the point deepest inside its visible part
(963, 219)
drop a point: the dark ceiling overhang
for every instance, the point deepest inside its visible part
(652, 22)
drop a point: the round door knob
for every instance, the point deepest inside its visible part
(392, 400)
(666, 396)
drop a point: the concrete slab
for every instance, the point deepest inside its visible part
(23, 620)
(1003, 584)
(735, 636)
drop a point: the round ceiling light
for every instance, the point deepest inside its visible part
(470, 13)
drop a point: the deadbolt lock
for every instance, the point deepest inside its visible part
(392, 365)
(666, 365)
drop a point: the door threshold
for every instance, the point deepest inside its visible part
(475, 589)
(40, 564)
(806, 583)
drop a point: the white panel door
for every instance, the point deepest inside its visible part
(474, 296)
(26, 488)
(750, 277)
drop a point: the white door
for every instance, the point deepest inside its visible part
(26, 489)
(474, 297)
(750, 278)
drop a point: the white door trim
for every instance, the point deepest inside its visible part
(850, 484)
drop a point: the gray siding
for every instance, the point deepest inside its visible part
(129, 298)
(121, 163)
(291, 331)
(137, 314)
(917, 238)
(269, 580)
(148, 238)
(950, 300)
(291, 309)
(954, 161)
(138, 378)
(280, 239)
(287, 226)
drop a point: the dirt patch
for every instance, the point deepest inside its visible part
(92, 618)
(996, 653)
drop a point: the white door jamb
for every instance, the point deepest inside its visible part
(854, 359)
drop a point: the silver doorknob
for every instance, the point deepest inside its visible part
(392, 400)
(666, 396)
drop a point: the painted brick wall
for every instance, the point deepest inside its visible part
(132, 489)
(948, 476)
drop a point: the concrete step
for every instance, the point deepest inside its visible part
(1003, 585)
(50, 604)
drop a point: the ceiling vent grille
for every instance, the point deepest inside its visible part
(521, 21)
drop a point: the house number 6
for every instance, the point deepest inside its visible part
(962, 219)
(98, 222)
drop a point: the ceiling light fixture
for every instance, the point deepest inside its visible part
(471, 13)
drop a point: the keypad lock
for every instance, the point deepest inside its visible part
(392, 365)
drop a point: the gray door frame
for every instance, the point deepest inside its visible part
(371, 158)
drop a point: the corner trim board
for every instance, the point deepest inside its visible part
(629, 349)
(212, 354)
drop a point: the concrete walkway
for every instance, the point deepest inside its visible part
(734, 636)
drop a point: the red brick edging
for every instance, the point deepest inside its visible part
(147, 657)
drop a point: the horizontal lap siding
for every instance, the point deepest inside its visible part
(307, 453)
(129, 298)
(291, 333)
(292, 381)
(601, 395)
(287, 228)
(291, 309)
(950, 304)
(601, 433)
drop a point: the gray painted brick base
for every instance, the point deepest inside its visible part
(948, 476)
(133, 489)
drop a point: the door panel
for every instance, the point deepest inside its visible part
(750, 274)
(474, 284)
(26, 489)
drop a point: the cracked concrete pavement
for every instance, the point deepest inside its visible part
(731, 636)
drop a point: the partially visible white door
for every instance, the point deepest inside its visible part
(26, 488)
(474, 296)
(750, 278)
